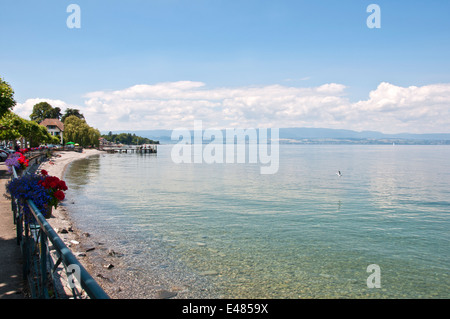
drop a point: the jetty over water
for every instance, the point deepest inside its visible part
(145, 149)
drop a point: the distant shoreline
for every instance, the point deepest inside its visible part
(305, 135)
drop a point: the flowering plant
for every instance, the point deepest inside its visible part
(45, 191)
(18, 160)
(54, 186)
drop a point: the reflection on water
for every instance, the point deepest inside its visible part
(83, 170)
(303, 232)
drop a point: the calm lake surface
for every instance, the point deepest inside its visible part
(303, 232)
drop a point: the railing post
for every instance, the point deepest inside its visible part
(43, 262)
(25, 242)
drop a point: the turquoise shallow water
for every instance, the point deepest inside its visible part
(302, 232)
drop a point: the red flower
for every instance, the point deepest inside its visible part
(59, 195)
(22, 160)
(62, 185)
(51, 182)
(44, 172)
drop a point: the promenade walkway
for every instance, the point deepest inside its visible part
(11, 279)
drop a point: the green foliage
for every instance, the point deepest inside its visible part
(78, 131)
(7, 101)
(128, 139)
(43, 110)
(70, 112)
(11, 125)
(14, 127)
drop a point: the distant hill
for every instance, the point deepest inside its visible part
(325, 133)
(321, 136)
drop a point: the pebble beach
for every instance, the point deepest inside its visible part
(106, 264)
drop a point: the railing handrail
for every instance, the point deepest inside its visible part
(88, 283)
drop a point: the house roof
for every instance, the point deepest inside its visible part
(54, 122)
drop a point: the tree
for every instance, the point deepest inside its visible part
(55, 113)
(43, 110)
(10, 126)
(37, 134)
(7, 101)
(70, 112)
(78, 131)
(128, 138)
(14, 127)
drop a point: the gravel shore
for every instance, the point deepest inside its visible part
(106, 265)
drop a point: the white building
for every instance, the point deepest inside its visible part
(55, 127)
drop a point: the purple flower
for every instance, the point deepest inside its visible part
(13, 160)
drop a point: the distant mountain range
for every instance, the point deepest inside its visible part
(321, 136)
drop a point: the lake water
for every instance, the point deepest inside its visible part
(303, 232)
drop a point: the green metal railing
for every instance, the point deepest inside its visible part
(44, 253)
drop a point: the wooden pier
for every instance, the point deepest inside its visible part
(132, 149)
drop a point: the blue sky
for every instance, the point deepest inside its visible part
(316, 52)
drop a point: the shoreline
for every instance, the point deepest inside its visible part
(61, 221)
(57, 166)
(105, 263)
(90, 253)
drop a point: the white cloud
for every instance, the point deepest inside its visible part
(25, 109)
(177, 104)
(414, 109)
(169, 105)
